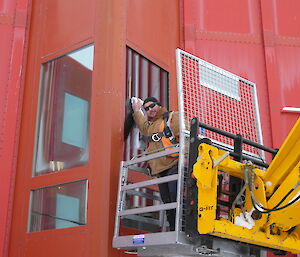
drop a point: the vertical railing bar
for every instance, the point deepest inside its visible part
(121, 197)
(178, 222)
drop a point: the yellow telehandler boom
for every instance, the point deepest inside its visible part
(265, 212)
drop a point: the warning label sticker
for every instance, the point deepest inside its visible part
(138, 239)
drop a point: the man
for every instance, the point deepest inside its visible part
(154, 127)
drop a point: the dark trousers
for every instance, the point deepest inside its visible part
(168, 193)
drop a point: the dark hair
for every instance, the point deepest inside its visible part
(129, 121)
(151, 99)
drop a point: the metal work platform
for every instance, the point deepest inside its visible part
(143, 211)
(141, 227)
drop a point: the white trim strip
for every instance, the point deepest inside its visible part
(291, 109)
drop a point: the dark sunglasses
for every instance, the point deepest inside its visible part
(150, 106)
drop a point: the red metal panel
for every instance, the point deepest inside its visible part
(258, 40)
(227, 15)
(13, 24)
(151, 34)
(65, 23)
(57, 28)
(156, 38)
(31, 244)
(281, 46)
(287, 18)
(234, 46)
(289, 89)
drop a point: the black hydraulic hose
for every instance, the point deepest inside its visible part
(273, 209)
(293, 189)
(267, 210)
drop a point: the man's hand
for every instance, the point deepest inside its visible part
(137, 103)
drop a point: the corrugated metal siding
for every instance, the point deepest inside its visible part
(143, 79)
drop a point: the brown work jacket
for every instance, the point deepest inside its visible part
(148, 128)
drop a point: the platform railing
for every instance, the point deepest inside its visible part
(126, 189)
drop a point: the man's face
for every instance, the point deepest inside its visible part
(151, 109)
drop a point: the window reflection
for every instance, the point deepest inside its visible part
(59, 206)
(63, 119)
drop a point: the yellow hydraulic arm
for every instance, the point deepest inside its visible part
(267, 209)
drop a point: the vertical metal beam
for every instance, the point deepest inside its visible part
(14, 22)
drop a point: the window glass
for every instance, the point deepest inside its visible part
(59, 206)
(75, 121)
(62, 138)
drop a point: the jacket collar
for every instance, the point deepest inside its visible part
(159, 114)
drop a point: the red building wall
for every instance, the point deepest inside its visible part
(56, 29)
(281, 32)
(13, 44)
(258, 40)
(156, 38)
